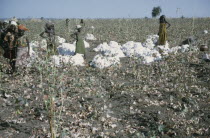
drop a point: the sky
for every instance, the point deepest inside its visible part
(102, 8)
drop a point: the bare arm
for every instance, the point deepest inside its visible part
(73, 35)
(168, 24)
(43, 35)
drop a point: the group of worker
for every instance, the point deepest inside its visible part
(12, 36)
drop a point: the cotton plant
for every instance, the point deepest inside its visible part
(76, 60)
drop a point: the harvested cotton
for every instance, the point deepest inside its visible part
(100, 61)
(90, 37)
(43, 44)
(175, 49)
(111, 49)
(185, 48)
(163, 49)
(66, 49)
(60, 39)
(128, 48)
(77, 60)
(205, 32)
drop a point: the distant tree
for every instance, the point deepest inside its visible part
(156, 11)
(42, 18)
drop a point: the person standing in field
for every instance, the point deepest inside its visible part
(80, 46)
(82, 23)
(162, 30)
(12, 41)
(49, 35)
(67, 22)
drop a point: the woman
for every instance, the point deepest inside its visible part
(162, 30)
(80, 46)
(49, 35)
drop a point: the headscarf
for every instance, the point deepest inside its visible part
(22, 27)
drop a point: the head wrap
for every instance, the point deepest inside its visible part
(13, 23)
(22, 27)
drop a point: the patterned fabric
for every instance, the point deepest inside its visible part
(23, 41)
(162, 34)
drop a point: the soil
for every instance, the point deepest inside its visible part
(112, 102)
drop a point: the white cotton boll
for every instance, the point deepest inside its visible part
(163, 49)
(43, 44)
(90, 37)
(140, 51)
(87, 45)
(33, 48)
(60, 39)
(56, 59)
(185, 48)
(34, 44)
(66, 49)
(157, 56)
(112, 50)
(206, 56)
(154, 38)
(205, 32)
(128, 48)
(175, 49)
(149, 44)
(99, 61)
(101, 47)
(92, 27)
(114, 44)
(148, 59)
(65, 59)
(77, 60)
(32, 52)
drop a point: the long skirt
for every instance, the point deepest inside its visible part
(80, 47)
(162, 34)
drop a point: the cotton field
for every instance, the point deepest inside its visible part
(125, 86)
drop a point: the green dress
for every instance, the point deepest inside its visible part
(80, 46)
